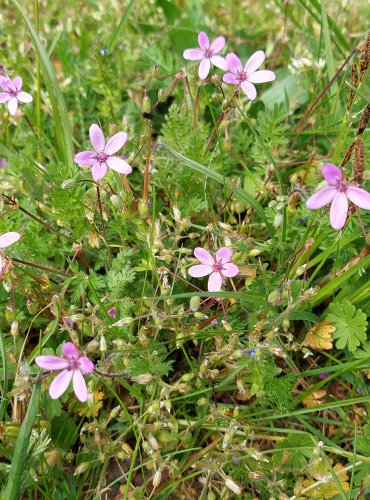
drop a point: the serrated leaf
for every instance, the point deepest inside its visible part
(350, 325)
(320, 336)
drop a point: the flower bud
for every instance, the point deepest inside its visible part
(162, 96)
(194, 303)
(157, 478)
(147, 104)
(143, 209)
(155, 72)
(103, 344)
(31, 307)
(124, 321)
(233, 486)
(69, 183)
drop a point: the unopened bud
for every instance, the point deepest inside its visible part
(194, 303)
(14, 328)
(31, 307)
(162, 96)
(143, 209)
(69, 184)
(103, 344)
(147, 104)
(144, 378)
(80, 469)
(233, 486)
(157, 478)
(155, 72)
(124, 321)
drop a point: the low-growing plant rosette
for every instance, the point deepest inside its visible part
(102, 158)
(247, 76)
(219, 268)
(207, 54)
(74, 365)
(6, 240)
(13, 93)
(337, 193)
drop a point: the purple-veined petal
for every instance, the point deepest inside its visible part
(51, 362)
(79, 386)
(85, 365)
(18, 82)
(262, 76)
(119, 165)
(70, 350)
(7, 239)
(24, 97)
(13, 105)
(223, 255)
(116, 143)
(339, 210)
(7, 84)
(218, 44)
(250, 90)
(193, 54)
(97, 137)
(331, 173)
(60, 384)
(234, 63)
(85, 158)
(254, 62)
(230, 78)
(230, 270)
(321, 198)
(359, 197)
(204, 67)
(99, 170)
(200, 270)
(204, 256)
(203, 40)
(4, 82)
(4, 97)
(215, 282)
(219, 62)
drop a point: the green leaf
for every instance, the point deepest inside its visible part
(63, 431)
(294, 451)
(12, 491)
(350, 323)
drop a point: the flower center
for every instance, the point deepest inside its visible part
(101, 156)
(217, 267)
(13, 93)
(73, 364)
(241, 75)
(342, 186)
(208, 52)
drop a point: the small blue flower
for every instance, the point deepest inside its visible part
(251, 353)
(104, 52)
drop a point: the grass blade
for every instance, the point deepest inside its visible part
(63, 130)
(119, 30)
(13, 488)
(4, 379)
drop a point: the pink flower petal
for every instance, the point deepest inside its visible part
(215, 282)
(254, 62)
(219, 62)
(359, 197)
(18, 82)
(115, 143)
(4, 97)
(321, 198)
(218, 44)
(193, 54)
(97, 137)
(60, 384)
(331, 173)
(7, 239)
(51, 362)
(7, 84)
(230, 270)
(79, 386)
(85, 158)
(203, 40)
(223, 255)
(250, 90)
(13, 105)
(85, 365)
(69, 350)
(262, 76)
(230, 78)
(204, 256)
(99, 170)
(339, 210)
(119, 165)
(204, 67)
(200, 270)
(234, 63)
(24, 97)
(1, 265)
(4, 82)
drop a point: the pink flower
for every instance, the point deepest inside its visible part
(101, 159)
(338, 193)
(247, 76)
(12, 93)
(207, 54)
(218, 269)
(7, 239)
(74, 365)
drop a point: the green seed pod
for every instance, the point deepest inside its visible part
(147, 104)
(162, 96)
(194, 303)
(31, 307)
(155, 72)
(69, 184)
(143, 209)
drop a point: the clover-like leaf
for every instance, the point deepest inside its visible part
(350, 325)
